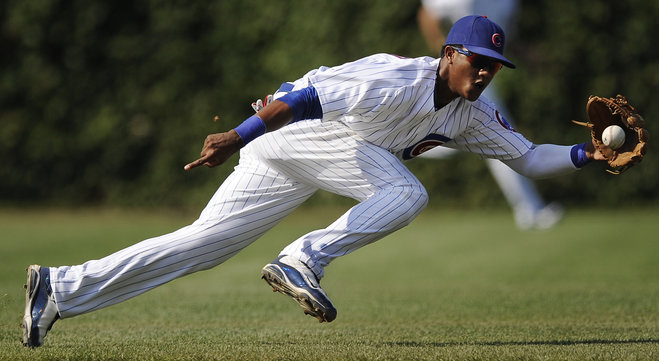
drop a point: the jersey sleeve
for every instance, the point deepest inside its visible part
(383, 98)
(490, 135)
(361, 88)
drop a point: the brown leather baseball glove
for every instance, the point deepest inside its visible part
(603, 112)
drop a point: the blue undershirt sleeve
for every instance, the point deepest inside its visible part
(304, 103)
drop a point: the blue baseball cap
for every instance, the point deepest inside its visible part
(479, 35)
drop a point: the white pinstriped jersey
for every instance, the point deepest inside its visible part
(388, 101)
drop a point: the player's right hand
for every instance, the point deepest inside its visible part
(217, 149)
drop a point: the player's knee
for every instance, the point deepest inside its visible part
(410, 201)
(419, 200)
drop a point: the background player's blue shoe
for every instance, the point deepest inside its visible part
(40, 309)
(292, 277)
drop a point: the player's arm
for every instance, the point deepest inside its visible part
(548, 160)
(296, 105)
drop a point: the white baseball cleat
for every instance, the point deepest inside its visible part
(293, 278)
(549, 216)
(40, 309)
(543, 218)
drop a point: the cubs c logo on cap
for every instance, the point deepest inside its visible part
(497, 40)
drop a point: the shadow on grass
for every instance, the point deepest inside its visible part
(522, 343)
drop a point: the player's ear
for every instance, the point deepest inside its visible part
(449, 53)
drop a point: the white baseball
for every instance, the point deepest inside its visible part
(613, 136)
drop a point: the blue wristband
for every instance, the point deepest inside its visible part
(252, 128)
(578, 155)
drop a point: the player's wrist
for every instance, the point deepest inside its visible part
(252, 128)
(580, 155)
(590, 150)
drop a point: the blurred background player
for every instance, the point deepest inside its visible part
(435, 17)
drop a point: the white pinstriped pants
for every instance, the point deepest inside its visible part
(276, 173)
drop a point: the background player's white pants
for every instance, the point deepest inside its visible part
(276, 173)
(519, 191)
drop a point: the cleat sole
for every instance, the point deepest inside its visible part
(307, 306)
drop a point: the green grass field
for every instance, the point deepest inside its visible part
(454, 285)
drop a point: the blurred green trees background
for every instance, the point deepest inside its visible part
(104, 102)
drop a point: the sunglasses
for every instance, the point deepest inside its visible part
(480, 61)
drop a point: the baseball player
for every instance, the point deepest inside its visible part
(529, 208)
(345, 129)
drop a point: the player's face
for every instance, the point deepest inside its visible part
(471, 73)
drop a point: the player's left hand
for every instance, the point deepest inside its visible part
(593, 153)
(217, 149)
(604, 112)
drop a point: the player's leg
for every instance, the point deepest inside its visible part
(338, 161)
(390, 197)
(250, 201)
(394, 199)
(392, 203)
(519, 191)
